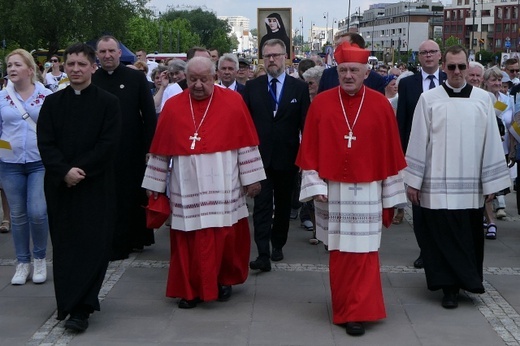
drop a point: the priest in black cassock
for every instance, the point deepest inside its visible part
(78, 134)
(137, 130)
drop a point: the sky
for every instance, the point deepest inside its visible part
(311, 10)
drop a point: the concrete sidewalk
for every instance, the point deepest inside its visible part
(288, 306)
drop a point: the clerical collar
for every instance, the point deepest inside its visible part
(77, 92)
(463, 91)
(110, 72)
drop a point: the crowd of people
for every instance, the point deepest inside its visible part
(341, 147)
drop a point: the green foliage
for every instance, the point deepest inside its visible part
(485, 57)
(213, 32)
(451, 41)
(54, 24)
(160, 35)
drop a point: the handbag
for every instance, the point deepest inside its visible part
(157, 211)
(23, 112)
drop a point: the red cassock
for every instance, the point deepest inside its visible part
(203, 259)
(374, 155)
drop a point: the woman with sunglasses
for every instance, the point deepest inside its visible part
(55, 76)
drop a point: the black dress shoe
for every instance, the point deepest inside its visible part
(224, 293)
(355, 328)
(418, 263)
(188, 304)
(77, 322)
(450, 299)
(261, 263)
(277, 255)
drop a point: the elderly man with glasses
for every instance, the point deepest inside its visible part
(409, 90)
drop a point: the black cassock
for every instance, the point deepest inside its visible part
(137, 130)
(80, 131)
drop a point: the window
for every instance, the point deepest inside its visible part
(498, 43)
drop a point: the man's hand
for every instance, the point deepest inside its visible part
(154, 193)
(321, 198)
(253, 189)
(414, 195)
(74, 176)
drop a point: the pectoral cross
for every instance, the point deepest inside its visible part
(194, 139)
(350, 138)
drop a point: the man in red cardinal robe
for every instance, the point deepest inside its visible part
(351, 161)
(207, 134)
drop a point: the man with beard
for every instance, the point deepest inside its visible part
(278, 104)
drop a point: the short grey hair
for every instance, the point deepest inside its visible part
(314, 73)
(176, 65)
(201, 60)
(477, 64)
(229, 57)
(493, 72)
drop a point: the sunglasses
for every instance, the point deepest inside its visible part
(461, 67)
(513, 70)
(54, 60)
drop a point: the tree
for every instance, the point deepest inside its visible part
(160, 35)
(56, 24)
(298, 40)
(451, 41)
(213, 32)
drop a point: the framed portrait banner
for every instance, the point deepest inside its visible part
(275, 23)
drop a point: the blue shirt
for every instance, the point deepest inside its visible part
(16, 130)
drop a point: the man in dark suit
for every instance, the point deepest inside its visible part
(227, 73)
(409, 90)
(330, 78)
(278, 104)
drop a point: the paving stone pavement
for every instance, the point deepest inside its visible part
(288, 306)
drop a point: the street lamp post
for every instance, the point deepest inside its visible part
(408, 30)
(373, 27)
(473, 25)
(326, 16)
(348, 18)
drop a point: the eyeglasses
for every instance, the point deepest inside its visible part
(512, 70)
(452, 67)
(54, 60)
(428, 52)
(274, 56)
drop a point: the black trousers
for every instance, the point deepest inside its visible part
(418, 225)
(276, 193)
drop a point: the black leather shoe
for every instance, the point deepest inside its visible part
(355, 328)
(261, 263)
(77, 323)
(188, 304)
(418, 263)
(450, 299)
(276, 255)
(224, 293)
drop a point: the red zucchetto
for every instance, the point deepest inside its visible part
(350, 52)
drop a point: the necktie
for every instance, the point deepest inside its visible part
(274, 81)
(432, 83)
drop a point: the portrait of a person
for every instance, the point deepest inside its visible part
(275, 29)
